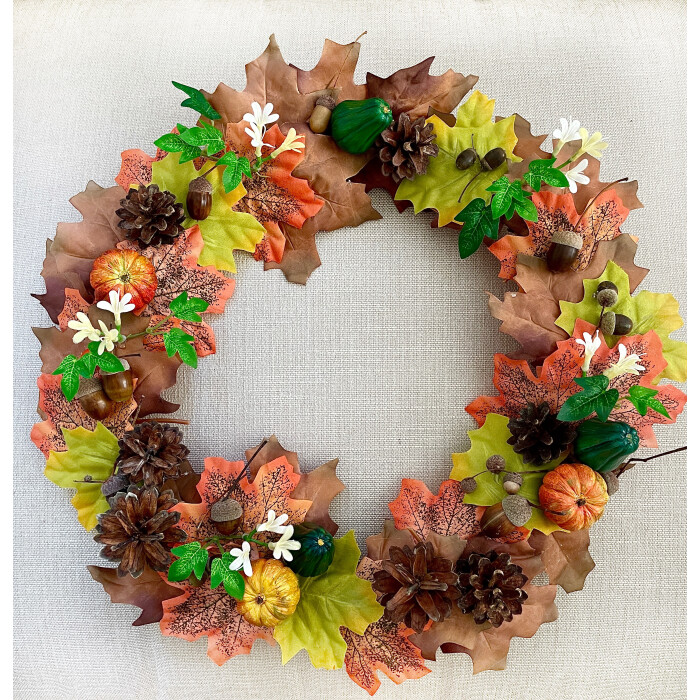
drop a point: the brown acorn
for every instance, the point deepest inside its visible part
(495, 523)
(321, 116)
(564, 250)
(493, 159)
(615, 324)
(93, 398)
(199, 198)
(226, 514)
(606, 294)
(119, 386)
(466, 159)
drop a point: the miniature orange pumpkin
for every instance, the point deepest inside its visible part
(271, 593)
(573, 496)
(127, 272)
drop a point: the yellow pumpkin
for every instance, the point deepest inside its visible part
(271, 593)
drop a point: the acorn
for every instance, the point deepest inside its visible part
(493, 159)
(512, 481)
(564, 250)
(495, 464)
(199, 198)
(615, 324)
(321, 116)
(93, 398)
(468, 485)
(466, 159)
(226, 514)
(495, 523)
(119, 386)
(606, 294)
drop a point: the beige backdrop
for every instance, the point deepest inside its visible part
(375, 359)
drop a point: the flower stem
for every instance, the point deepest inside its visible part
(151, 331)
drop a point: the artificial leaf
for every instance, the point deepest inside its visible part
(491, 439)
(644, 399)
(596, 398)
(266, 451)
(186, 308)
(446, 514)
(565, 557)
(540, 171)
(338, 598)
(70, 376)
(69, 257)
(236, 168)
(384, 646)
(204, 341)
(197, 101)
(477, 223)
(442, 186)
(107, 361)
(270, 490)
(62, 415)
(505, 193)
(557, 211)
(233, 581)
(191, 558)
(203, 611)
(174, 143)
(177, 271)
(88, 453)
(648, 311)
(177, 341)
(529, 315)
(148, 591)
(206, 135)
(413, 90)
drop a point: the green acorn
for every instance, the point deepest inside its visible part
(604, 446)
(316, 553)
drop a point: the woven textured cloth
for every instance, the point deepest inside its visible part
(374, 360)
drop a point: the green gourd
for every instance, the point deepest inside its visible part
(316, 553)
(355, 124)
(604, 445)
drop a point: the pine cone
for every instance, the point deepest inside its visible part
(491, 587)
(138, 529)
(538, 436)
(151, 216)
(406, 147)
(415, 586)
(151, 453)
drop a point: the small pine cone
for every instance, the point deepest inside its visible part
(415, 586)
(539, 436)
(139, 529)
(152, 453)
(492, 587)
(150, 216)
(406, 148)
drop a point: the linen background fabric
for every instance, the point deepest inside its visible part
(374, 360)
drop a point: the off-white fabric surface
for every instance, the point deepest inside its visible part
(374, 360)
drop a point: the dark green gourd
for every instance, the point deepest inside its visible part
(355, 124)
(316, 553)
(603, 446)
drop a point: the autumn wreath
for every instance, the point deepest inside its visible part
(246, 549)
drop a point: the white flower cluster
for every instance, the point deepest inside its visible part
(258, 120)
(592, 145)
(107, 337)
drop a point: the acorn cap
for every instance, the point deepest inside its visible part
(201, 184)
(226, 510)
(517, 509)
(606, 284)
(88, 385)
(570, 238)
(606, 297)
(607, 323)
(326, 101)
(513, 476)
(495, 464)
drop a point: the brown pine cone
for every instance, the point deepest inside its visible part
(491, 587)
(539, 436)
(138, 529)
(150, 216)
(151, 453)
(416, 586)
(405, 148)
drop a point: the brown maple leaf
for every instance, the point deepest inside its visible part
(565, 557)
(529, 315)
(147, 592)
(69, 257)
(383, 647)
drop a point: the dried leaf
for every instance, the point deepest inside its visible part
(383, 647)
(413, 90)
(565, 556)
(557, 211)
(446, 514)
(267, 451)
(529, 315)
(147, 592)
(70, 255)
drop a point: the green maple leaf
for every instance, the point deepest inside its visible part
(70, 381)
(338, 598)
(191, 558)
(477, 223)
(236, 167)
(234, 583)
(186, 308)
(491, 439)
(223, 230)
(642, 398)
(88, 453)
(177, 341)
(648, 311)
(542, 170)
(173, 143)
(197, 101)
(442, 186)
(595, 398)
(205, 135)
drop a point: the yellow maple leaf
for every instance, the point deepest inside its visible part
(223, 230)
(441, 186)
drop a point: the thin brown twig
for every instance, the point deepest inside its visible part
(631, 462)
